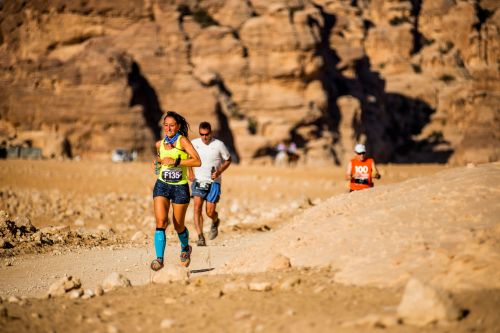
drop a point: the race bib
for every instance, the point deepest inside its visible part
(172, 175)
(202, 185)
(361, 181)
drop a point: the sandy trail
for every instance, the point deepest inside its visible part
(31, 275)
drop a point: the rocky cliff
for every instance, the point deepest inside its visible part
(418, 81)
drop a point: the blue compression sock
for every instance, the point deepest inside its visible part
(184, 238)
(160, 242)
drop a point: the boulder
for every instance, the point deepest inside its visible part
(423, 304)
(63, 285)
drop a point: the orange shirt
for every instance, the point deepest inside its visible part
(361, 174)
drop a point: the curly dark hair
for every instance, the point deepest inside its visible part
(184, 129)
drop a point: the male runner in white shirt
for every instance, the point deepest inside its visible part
(206, 179)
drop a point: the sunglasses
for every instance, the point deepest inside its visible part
(205, 134)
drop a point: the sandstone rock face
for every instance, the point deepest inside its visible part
(417, 81)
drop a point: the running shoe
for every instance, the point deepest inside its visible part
(157, 264)
(214, 230)
(186, 256)
(201, 241)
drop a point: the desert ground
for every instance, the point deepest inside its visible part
(296, 252)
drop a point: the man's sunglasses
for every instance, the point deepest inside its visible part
(205, 134)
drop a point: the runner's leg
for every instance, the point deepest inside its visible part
(198, 218)
(212, 199)
(182, 232)
(211, 211)
(161, 207)
(178, 219)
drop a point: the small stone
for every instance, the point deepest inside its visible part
(232, 287)
(93, 320)
(79, 222)
(169, 274)
(24, 223)
(290, 283)
(76, 293)
(113, 329)
(13, 299)
(99, 291)
(104, 228)
(259, 286)
(115, 280)
(170, 300)
(242, 314)
(36, 315)
(108, 312)
(167, 323)
(63, 285)
(88, 293)
(280, 262)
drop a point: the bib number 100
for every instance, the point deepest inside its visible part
(172, 175)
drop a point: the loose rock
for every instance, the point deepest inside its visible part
(169, 274)
(167, 323)
(242, 314)
(63, 285)
(280, 262)
(232, 287)
(423, 304)
(259, 286)
(115, 280)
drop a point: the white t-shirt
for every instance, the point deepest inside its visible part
(211, 155)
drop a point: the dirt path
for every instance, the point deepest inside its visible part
(32, 275)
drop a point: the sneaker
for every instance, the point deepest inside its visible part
(201, 241)
(214, 230)
(157, 264)
(186, 256)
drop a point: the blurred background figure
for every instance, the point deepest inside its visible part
(281, 154)
(292, 155)
(359, 170)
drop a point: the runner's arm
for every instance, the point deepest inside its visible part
(374, 168)
(190, 174)
(223, 167)
(193, 159)
(157, 156)
(157, 145)
(348, 175)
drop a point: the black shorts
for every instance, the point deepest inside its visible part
(178, 194)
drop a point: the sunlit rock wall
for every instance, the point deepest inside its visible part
(417, 81)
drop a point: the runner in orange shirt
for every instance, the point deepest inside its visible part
(359, 170)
